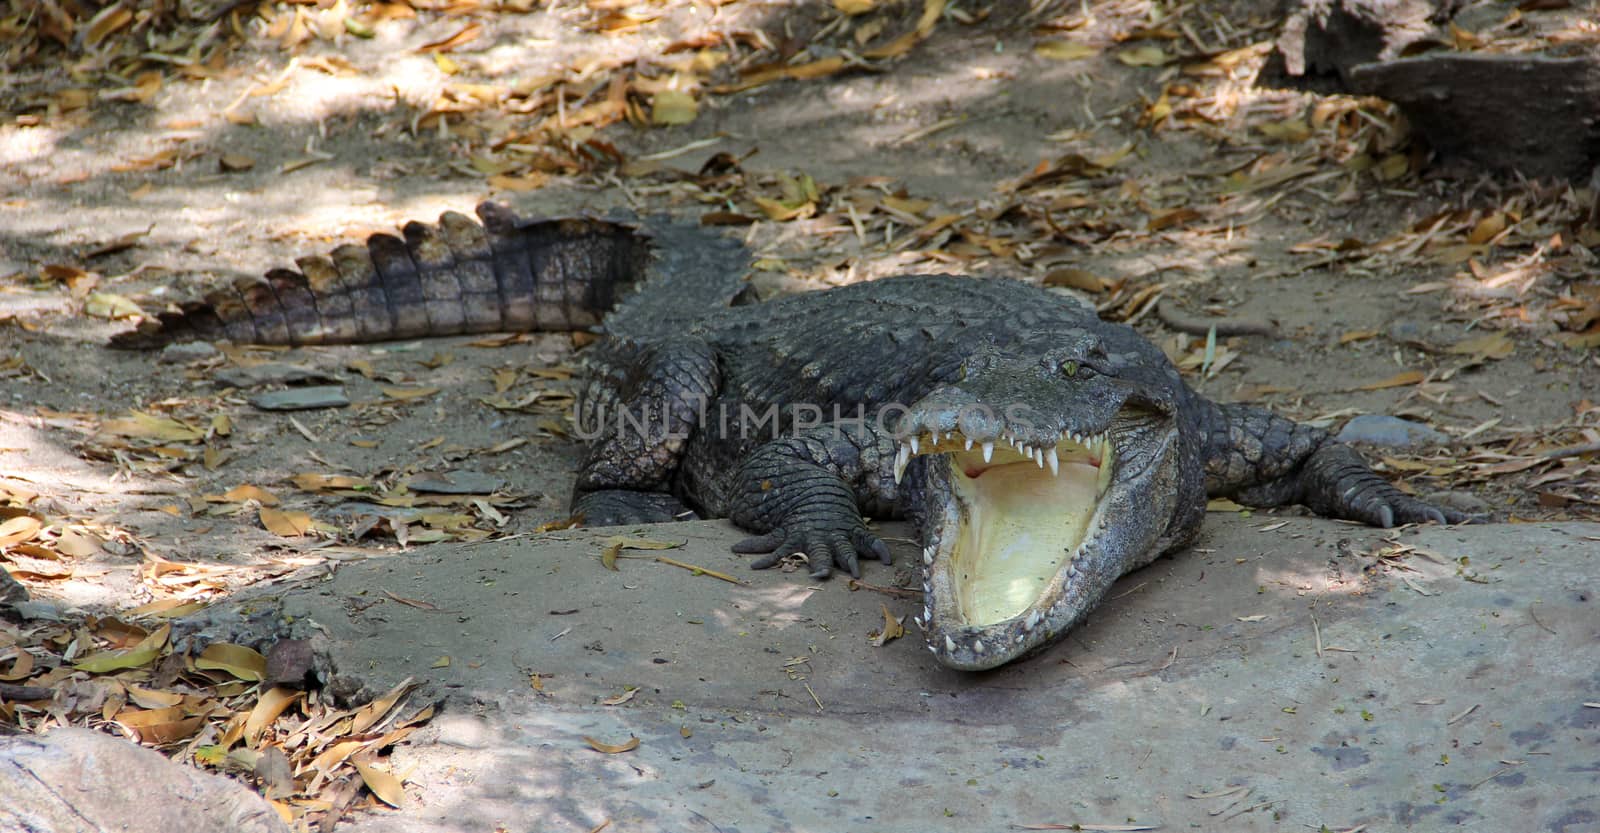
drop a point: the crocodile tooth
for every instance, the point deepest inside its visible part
(988, 451)
(1054, 460)
(949, 644)
(927, 555)
(1032, 620)
(914, 440)
(1038, 458)
(901, 459)
(969, 442)
(977, 646)
(933, 650)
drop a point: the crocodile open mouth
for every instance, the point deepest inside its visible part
(1015, 519)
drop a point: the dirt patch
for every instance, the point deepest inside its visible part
(1118, 149)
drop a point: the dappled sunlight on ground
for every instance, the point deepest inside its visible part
(1116, 149)
(781, 606)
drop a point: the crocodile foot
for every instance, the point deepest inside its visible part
(825, 541)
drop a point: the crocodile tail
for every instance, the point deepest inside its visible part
(507, 274)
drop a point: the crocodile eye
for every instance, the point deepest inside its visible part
(1070, 368)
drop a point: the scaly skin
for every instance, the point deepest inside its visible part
(790, 417)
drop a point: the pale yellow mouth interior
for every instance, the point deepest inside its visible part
(1020, 525)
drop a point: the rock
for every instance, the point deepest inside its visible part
(301, 399)
(1461, 501)
(269, 373)
(1533, 115)
(455, 483)
(81, 781)
(1323, 40)
(1411, 334)
(1389, 432)
(32, 611)
(189, 351)
(11, 591)
(1520, 114)
(291, 662)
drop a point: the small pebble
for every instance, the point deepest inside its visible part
(189, 351)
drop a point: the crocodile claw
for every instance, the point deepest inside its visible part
(824, 546)
(1404, 509)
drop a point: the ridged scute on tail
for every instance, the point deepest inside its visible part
(507, 274)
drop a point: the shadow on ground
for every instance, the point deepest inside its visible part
(1273, 678)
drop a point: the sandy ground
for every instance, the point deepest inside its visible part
(152, 200)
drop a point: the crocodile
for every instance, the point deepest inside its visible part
(1039, 452)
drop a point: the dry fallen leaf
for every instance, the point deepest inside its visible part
(368, 716)
(267, 709)
(619, 699)
(149, 698)
(384, 785)
(1062, 50)
(240, 494)
(148, 426)
(627, 543)
(673, 107)
(1148, 55)
(612, 547)
(19, 529)
(160, 726)
(1077, 279)
(240, 661)
(628, 745)
(931, 12)
(893, 628)
(139, 655)
(285, 524)
(111, 306)
(1495, 345)
(407, 393)
(461, 38)
(324, 482)
(1401, 379)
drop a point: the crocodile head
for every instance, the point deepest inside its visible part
(1036, 478)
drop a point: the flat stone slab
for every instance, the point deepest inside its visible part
(1271, 678)
(301, 399)
(1386, 431)
(73, 780)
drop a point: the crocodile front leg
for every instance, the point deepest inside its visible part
(642, 416)
(1258, 458)
(806, 494)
